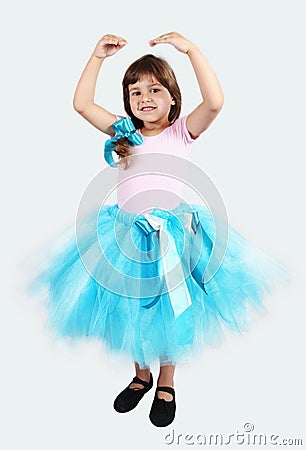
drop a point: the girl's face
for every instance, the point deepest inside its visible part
(150, 101)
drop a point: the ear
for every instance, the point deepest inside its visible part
(173, 102)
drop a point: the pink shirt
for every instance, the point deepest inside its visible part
(139, 192)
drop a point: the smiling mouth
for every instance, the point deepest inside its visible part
(148, 108)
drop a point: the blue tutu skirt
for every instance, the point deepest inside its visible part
(136, 282)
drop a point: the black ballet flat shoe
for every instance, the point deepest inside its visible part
(162, 411)
(129, 398)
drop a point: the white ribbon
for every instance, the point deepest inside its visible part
(179, 297)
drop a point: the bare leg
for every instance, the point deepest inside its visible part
(166, 379)
(143, 374)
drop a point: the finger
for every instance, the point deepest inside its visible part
(121, 40)
(114, 43)
(161, 39)
(114, 40)
(109, 41)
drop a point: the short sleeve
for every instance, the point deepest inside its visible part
(180, 128)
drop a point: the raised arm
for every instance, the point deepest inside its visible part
(204, 114)
(83, 101)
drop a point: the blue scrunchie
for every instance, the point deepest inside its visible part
(123, 128)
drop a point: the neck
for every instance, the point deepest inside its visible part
(152, 128)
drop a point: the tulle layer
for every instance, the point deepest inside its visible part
(107, 281)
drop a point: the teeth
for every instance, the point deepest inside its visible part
(148, 108)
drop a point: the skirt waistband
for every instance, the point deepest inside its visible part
(179, 212)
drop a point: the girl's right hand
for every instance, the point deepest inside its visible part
(109, 45)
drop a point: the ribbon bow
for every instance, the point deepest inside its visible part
(179, 297)
(123, 128)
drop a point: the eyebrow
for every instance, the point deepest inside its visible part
(136, 88)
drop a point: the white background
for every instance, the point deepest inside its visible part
(58, 397)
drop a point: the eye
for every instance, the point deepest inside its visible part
(154, 90)
(135, 93)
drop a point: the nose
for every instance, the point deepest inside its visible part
(145, 97)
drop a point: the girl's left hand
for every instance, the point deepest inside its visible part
(177, 40)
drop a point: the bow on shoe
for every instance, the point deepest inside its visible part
(123, 128)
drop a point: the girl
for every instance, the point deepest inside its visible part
(125, 295)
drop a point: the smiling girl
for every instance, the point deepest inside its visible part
(167, 325)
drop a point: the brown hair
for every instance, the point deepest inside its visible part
(147, 65)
